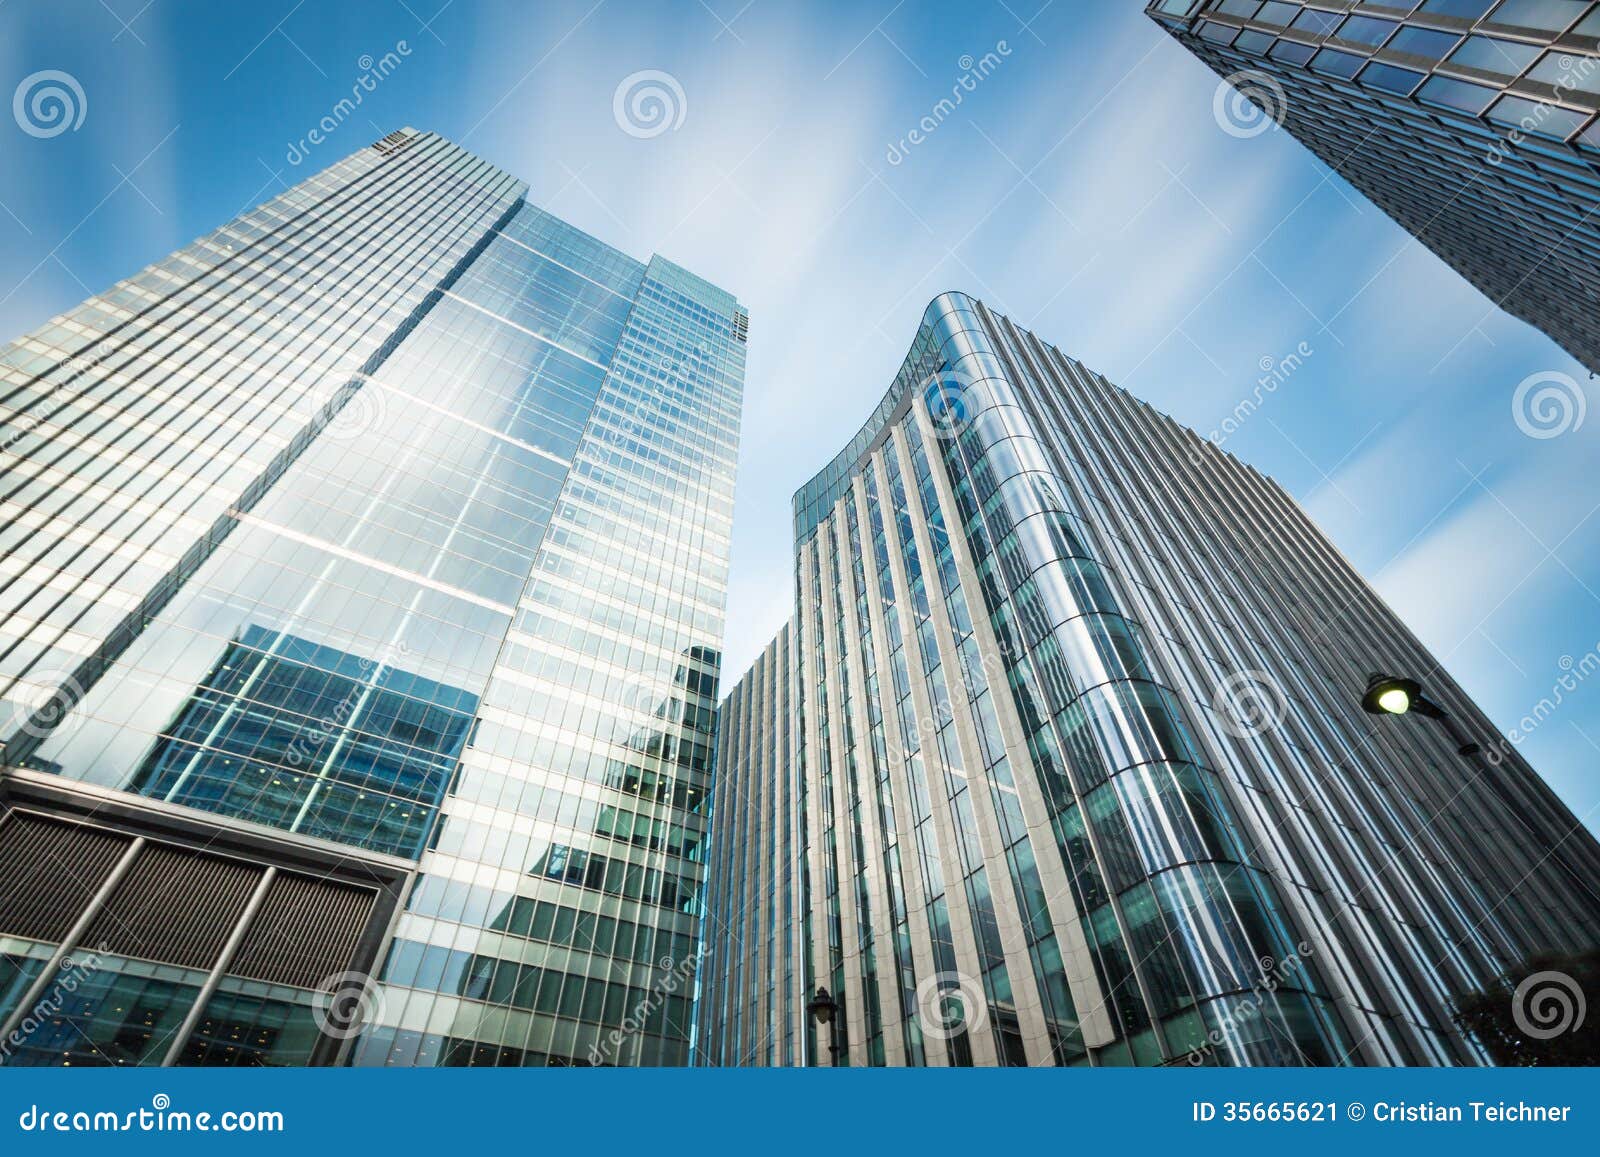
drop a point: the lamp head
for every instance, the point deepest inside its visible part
(1390, 695)
(822, 1005)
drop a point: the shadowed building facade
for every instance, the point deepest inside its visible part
(378, 538)
(1472, 123)
(1062, 760)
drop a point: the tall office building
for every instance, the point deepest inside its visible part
(1062, 760)
(1470, 122)
(362, 570)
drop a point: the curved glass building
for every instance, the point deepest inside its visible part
(1062, 761)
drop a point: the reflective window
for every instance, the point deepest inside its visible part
(1337, 63)
(1424, 42)
(1471, 98)
(1536, 117)
(1486, 54)
(1545, 15)
(1567, 71)
(1391, 79)
(1366, 30)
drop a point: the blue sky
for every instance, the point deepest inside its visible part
(1083, 186)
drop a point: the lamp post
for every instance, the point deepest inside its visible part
(1396, 695)
(823, 1009)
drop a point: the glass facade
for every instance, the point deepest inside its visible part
(1471, 122)
(395, 514)
(1064, 770)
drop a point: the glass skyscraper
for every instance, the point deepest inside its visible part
(1470, 122)
(383, 530)
(1062, 760)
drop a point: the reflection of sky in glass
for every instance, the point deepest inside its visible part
(433, 562)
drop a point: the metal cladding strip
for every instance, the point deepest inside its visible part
(1088, 994)
(896, 995)
(766, 964)
(880, 939)
(915, 895)
(838, 798)
(818, 953)
(1494, 856)
(958, 676)
(1370, 804)
(1073, 428)
(985, 1050)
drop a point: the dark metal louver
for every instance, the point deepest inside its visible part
(48, 873)
(176, 906)
(307, 930)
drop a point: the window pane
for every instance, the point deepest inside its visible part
(1471, 98)
(1565, 70)
(1391, 79)
(1366, 30)
(1546, 15)
(1501, 57)
(1423, 42)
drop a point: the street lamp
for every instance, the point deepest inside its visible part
(823, 1008)
(1395, 695)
